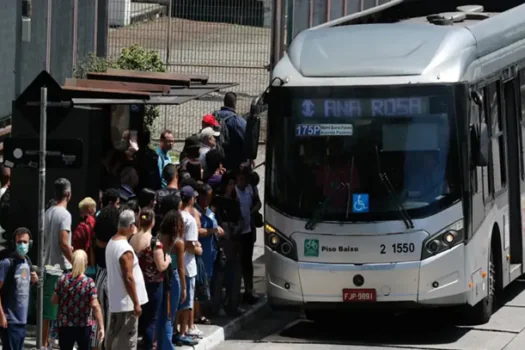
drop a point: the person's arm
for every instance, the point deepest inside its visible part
(95, 306)
(126, 265)
(65, 231)
(79, 237)
(179, 251)
(55, 299)
(162, 261)
(257, 205)
(203, 232)
(191, 239)
(66, 249)
(4, 270)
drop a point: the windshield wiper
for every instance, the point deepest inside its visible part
(310, 225)
(385, 181)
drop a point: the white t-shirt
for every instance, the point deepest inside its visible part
(246, 203)
(191, 234)
(118, 297)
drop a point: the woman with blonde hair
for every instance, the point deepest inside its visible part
(76, 296)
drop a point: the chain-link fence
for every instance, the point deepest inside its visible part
(227, 40)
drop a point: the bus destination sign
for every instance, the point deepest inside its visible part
(355, 108)
(305, 130)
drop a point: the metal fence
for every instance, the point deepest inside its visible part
(227, 40)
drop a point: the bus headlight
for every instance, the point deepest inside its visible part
(277, 242)
(445, 239)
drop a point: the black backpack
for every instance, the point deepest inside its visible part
(251, 136)
(10, 276)
(224, 139)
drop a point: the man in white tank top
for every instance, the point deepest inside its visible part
(126, 288)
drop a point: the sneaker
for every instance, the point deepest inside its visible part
(188, 340)
(195, 332)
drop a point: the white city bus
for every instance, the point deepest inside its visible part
(395, 164)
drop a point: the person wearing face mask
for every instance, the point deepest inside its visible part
(15, 280)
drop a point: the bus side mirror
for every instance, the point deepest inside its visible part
(253, 126)
(479, 136)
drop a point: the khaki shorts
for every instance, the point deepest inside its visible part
(122, 331)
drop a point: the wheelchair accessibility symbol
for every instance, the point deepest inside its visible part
(360, 203)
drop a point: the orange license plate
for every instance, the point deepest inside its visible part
(359, 295)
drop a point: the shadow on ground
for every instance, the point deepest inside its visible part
(418, 327)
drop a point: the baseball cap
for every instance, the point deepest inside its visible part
(188, 192)
(209, 119)
(209, 132)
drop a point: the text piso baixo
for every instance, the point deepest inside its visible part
(340, 248)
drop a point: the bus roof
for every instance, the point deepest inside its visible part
(410, 47)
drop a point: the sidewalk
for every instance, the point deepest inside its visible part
(223, 328)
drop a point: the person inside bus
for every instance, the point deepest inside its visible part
(425, 178)
(336, 168)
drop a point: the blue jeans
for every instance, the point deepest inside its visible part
(165, 323)
(150, 312)
(13, 336)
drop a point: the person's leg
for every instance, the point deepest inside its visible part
(50, 309)
(83, 338)
(16, 334)
(246, 262)
(186, 310)
(164, 329)
(67, 337)
(111, 331)
(150, 311)
(126, 332)
(233, 276)
(102, 289)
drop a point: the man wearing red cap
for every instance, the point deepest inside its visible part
(209, 121)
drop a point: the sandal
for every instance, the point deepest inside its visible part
(203, 320)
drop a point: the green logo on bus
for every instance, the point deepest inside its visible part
(311, 247)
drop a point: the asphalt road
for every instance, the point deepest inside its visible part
(442, 329)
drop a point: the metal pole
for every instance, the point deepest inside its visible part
(277, 34)
(41, 213)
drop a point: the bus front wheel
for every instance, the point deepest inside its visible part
(482, 311)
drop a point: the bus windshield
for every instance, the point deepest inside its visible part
(331, 149)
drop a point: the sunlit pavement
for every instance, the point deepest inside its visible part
(421, 330)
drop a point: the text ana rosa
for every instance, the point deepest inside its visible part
(340, 248)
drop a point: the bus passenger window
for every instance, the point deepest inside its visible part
(522, 121)
(498, 165)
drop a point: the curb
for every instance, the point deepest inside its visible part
(224, 333)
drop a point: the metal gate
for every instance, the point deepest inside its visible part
(227, 40)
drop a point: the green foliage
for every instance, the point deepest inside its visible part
(134, 57)
(92, 63)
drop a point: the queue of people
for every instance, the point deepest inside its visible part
(163, 250)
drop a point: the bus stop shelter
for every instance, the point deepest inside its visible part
(85, 119)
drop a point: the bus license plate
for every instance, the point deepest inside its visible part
(359, 295)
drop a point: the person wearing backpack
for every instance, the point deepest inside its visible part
(15, 279)
(232, 130)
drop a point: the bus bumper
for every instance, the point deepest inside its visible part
(436, 281)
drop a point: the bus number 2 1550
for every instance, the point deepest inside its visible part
(399, 248)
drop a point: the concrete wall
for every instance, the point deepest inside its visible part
(63, 48)
(7, 56)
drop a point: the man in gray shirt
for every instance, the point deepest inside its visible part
(57, 248)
